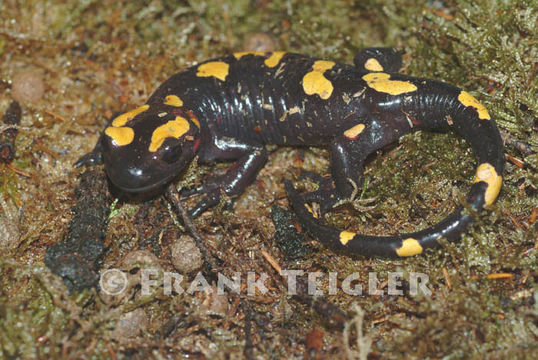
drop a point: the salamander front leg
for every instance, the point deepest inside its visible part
(94, 157)
(250, 159)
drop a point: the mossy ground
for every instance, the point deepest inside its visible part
(102, 57)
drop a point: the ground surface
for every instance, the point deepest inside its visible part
(73, 64)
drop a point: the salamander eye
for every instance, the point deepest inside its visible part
(171, 150)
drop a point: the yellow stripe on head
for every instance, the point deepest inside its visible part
(124, 118)
(121, 135)
(175, 128)
(173, 100)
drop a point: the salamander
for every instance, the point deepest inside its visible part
(230, 108)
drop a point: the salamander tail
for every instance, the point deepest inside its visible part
(377, 246)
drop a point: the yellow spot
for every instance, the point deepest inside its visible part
(486, 172)
(175, 128)
(409, 247)
(468, 100)
(315, 82)
(239, 55)
(373, 65)
(173, 100)
(217, 69)
(121, 135)
(194, 119)
(381, 82)
(274, 59)
(353, 133)
(345, 236)
(124, 118)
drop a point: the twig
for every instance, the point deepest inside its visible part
(364, 341)
(331, 314)
(249, 347)
(509, 140)
(271, 260)
(173, 196)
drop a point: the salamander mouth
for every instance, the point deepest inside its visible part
(143, 176)
(155, 185)
(147, 188)
(136, 180)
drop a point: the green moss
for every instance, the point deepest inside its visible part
(30, 319)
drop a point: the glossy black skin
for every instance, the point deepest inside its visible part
(258, 105)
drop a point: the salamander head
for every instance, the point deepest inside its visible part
(147, 147)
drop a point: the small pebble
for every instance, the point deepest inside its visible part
(186, 256)
(27, 86)
(140, 259)
(259, 42)
(219, 303)
(213, 303)
(121, 285)
(9, 230)
(130, 325)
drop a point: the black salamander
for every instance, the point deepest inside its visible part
(229, 108)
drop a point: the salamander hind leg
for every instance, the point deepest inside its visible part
(325, 194)
(347, 157)
(348, 152)
(379, 59)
